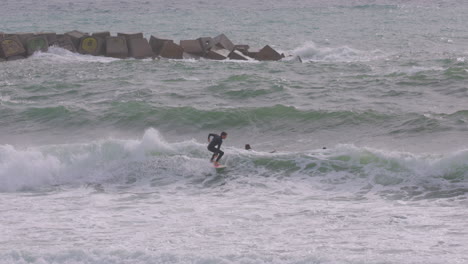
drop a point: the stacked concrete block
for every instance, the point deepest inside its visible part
(103, 35)
(242, 48)
(37, 43)
(18, 45)
(75, 37)
(51, 37)
(218, 54)
(139, 48)
(171, 50)
(251, 53)
(116, 47)
(192, 46)
(199, 47)
(64, 42)
(129, 36)
(157, 44)
(237, 55)
(207, 43)
(91, 45)
(268, 54)
(221, 41)
(11, 46)
(23, 37)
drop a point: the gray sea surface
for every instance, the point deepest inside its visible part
(360, 151)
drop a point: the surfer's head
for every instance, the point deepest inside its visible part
(247, 147)
(223, 135)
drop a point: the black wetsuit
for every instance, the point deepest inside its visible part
(215, 142)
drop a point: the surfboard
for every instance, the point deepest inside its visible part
(220, 166)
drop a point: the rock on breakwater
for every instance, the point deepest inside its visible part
(15, 46)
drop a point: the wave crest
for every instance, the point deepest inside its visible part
(310, 51)
(154, 161)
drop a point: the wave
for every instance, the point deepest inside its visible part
(375, 6)
(153, 255)
(311, 52)
(154, 161)
(60, 55)
(140, 115)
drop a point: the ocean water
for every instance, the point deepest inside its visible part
(360, 152)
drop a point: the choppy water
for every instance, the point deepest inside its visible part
(104, 160)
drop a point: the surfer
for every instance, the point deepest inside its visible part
(216, 142)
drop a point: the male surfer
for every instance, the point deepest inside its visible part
(216, 142)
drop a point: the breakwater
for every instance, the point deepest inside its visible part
(14, 46)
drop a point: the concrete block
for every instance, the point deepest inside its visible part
(251, 54)
(116, 47)
(207, 43)
(192, 46)
(242, 48)
(268, 54)
(18, 57)
(129, 36)
(237, 55)
(64, 42)
(157, 44)
(51, 37)
(75, 37)
(11, 46)
(171, 50)
(139, 48)
(23, 37)
(217, 54)
(37, 43)
(200, 46)
(102, 35)
(91, 45)
(223, 42)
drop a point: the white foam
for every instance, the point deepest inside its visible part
(150, 255)
(310, 51)
(347, 168)
(416, 69)
(26, 168)
(60, 55)
(97, 161)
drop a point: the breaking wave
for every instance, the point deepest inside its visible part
(311, 52)
(60, 55)
(152, 160)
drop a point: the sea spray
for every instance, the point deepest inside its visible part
(312, 52)
(343, 167)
